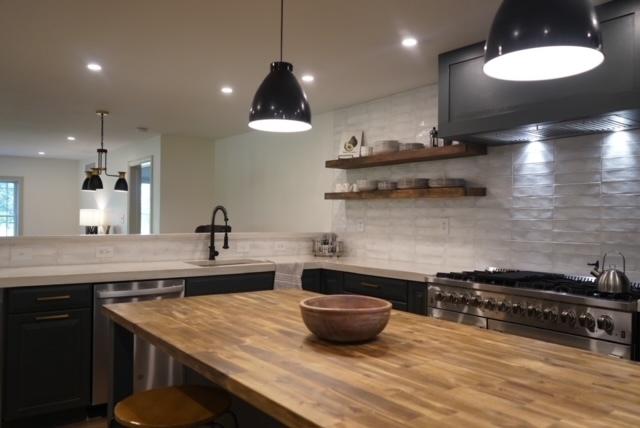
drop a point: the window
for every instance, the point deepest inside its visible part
(10, 206)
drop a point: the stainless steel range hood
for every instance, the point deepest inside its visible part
(476, 108)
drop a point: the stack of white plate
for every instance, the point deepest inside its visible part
(367, 185)
(386, 146)
(446, 182)
(411, 146)
(413, 183)
(387, 185)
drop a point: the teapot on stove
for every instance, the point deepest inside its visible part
(611, 280)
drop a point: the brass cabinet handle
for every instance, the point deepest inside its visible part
(366, 284)
(50, 298)
(53, 317)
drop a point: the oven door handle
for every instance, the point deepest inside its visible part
(161, 291)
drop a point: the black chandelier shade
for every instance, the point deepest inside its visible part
(280, 104)
(543, 39)
(95, 182)
(86, 184)
(121, 183)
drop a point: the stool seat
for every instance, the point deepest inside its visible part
(184, 406)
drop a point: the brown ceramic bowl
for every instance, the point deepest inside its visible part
(345, 318)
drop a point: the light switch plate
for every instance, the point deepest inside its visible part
(21, 254)
(444, 226)
(104, 252)
(360, 225)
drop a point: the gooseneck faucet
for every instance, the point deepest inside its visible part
(212, 246)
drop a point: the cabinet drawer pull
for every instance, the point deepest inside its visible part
(369, 285)
(53, 317)
(50, 298)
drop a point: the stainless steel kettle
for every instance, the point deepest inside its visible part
(612, 280)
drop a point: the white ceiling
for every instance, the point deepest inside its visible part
(165, 61)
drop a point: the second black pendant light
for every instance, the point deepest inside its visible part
(543, 39)
(280, 104)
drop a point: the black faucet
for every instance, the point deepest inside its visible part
(212, 246)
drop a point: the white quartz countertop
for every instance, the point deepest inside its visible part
(140, 271)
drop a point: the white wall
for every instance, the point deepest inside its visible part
(551, 206)
(276, 182)
(114, 203)
(50, 193)
(187, 194)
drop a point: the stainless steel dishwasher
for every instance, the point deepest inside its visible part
(151, 368)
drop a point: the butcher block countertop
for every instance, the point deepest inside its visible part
(420, 372)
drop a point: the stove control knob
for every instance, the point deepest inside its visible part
(489, 304)
(605, 323)
(587, 320)
(466, 299)
(504, 306)
(516, 308)
(448, 297)
(476, 301)
(439, 296)
(568, 317)
(533, 311)
(456, 298)
(549, 314)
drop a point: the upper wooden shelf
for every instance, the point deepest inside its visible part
(409, 156)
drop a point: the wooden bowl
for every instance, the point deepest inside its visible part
(345, 318)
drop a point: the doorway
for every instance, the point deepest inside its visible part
(141, 197)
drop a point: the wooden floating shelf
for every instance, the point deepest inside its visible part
(409, 156)
(439, 192)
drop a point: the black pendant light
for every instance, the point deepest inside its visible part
(93, 180)
(121, 183)
(86, 184)
(542, 40)
(280, 104)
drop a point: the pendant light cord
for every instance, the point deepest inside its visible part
(102, 130)
(281, 26)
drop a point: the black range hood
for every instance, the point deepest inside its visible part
(476, 108)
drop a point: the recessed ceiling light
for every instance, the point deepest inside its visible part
(409, 42)
(71, 138)
(41, 153)
(94, 66)
(226, 90)
(308, 78)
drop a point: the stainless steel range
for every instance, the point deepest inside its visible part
(553, 307)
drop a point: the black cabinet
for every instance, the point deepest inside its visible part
(222, 284)
(48, 354)
(475, 107)
(311, 280)
(332, 282)
(403, 295)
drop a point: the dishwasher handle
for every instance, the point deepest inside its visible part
(160, 291)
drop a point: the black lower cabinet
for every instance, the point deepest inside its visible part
(312, 281)
(404, 295)
(223, 284)
(47, 362)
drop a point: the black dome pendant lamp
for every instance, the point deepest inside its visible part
(280, 104)
(543, 39)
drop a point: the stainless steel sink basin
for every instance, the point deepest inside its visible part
(231, 262)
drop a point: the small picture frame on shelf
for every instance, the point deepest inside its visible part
(350, 144)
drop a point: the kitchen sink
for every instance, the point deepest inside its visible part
(230, 262)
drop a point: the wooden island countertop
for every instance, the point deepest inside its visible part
(420, 372)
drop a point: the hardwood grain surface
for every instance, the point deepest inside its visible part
(420, 372)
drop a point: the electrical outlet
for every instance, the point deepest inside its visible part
(104, 252)
(21, 254)
(360, 225)
(280, 246)
(444, 226)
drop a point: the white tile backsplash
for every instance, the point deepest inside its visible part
(552, 205)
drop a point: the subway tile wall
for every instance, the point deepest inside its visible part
(552, 205)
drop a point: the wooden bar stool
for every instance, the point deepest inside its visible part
(185, 406)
